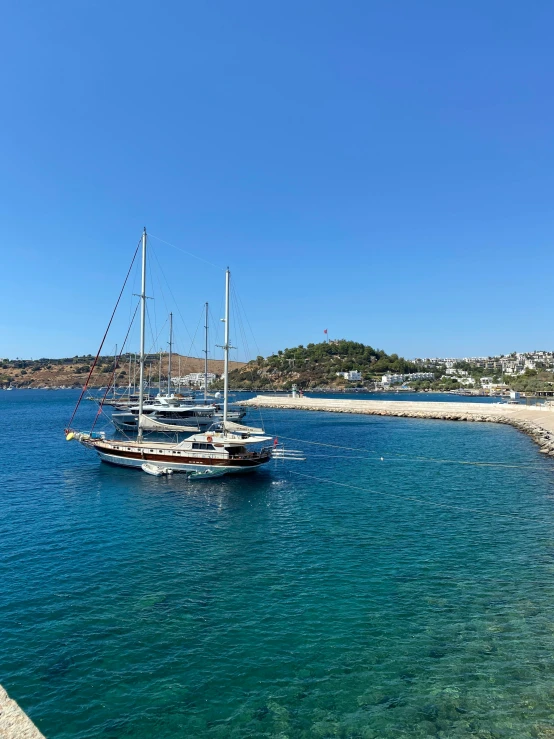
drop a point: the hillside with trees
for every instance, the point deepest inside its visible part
(316, 365)
(73, 371)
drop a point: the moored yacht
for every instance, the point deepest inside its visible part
(173, 413)
(219, 453)
(231, 449)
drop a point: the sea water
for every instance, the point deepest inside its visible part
(398, 583)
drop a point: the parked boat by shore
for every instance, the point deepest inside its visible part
(173, 411)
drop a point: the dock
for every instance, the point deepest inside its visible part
(536, 421)
(14, 723)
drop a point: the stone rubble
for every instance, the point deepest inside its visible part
(14, 723)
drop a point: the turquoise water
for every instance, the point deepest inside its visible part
(403, 597)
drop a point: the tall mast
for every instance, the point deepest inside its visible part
(142, 331)
(206, 359)
(226, 350)
(169, 360)
(160, 375)
(114, 369)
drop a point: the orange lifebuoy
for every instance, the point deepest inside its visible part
(209, 438)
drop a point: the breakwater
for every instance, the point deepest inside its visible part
(14, 723)
(536, 421)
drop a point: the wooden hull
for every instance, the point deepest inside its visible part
(178, 463)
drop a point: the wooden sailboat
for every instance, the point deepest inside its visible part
(232, 448)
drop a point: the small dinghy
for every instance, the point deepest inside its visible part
(154, 469)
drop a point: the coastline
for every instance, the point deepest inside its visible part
(536, 422)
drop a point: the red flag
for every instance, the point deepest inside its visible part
(324, 330)
(275, 442)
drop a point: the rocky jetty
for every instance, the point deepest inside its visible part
(14, 723)
(535, 421)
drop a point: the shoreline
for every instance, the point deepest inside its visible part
(536, 423)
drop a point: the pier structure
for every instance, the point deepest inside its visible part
(536, 421)
(14, 723)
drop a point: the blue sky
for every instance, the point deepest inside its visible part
(383, 170)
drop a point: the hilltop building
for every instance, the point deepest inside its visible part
(352, 376)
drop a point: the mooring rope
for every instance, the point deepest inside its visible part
(420, 501)
(85, 386)
(410, 458)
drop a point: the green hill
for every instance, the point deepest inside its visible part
(316, 365)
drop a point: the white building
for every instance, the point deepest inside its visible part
(193, 379)
(352, 376)
(412, 377)
(392, 379)
(419, 376)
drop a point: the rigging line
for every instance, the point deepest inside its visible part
(104, 338)
(170, 292)
(248, 322)
(152, 349)
(215, 338)
(101, 406)
(272, 385)
(416, 460)
(196, 332)
(160, 287)
(420, 501)
(154, 330)
(239, 312)
(215, 334)
(151, 329)
(407, 457)
(134, 289)
(240, 327)
(190, 254)
(156, 345)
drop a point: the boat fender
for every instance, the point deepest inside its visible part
(209, 438)
(70, 436)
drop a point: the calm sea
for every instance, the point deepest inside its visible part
(384, 589)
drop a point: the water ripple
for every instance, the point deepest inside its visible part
(274, 605)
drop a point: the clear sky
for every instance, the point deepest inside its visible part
(383, 170)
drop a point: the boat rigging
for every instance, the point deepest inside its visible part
(227, 448)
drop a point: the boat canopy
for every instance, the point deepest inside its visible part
(238, 428)
(150, 424)
(221, 439)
